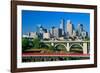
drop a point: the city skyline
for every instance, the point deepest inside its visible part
(31, 19)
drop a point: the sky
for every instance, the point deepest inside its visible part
(31, 19)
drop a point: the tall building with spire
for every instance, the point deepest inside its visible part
(69, 28)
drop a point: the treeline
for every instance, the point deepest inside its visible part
(34, 44)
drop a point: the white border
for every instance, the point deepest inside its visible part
(55, 63)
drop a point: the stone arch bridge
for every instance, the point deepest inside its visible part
(69, 44)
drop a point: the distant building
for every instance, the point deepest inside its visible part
(46, 35)
(40, 31)
(25, 36)
(62, 27)
(52, 32)
(32, 35)
(74, 33)
(84, 34)
(69, 28)
(45, 30)
(80, 29)
(61, 38)
(57, 32)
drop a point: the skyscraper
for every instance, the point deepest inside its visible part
(80, 29)
(40, 31)
(62, 26)
(57, 32)
(74, 33)
(52, 31)
(69, 28)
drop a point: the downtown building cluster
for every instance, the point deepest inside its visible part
(66, 31)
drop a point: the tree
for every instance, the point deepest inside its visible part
(36, 42)
(60, 48)
(52, 48)
(87, 39)
(43, 45)
(25, 44)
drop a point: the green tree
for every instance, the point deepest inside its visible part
(87, 39)
(25, 44)
(52, 48)
(36, 43)
(43, 45)
(60, 48)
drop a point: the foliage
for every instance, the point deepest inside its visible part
(25, 44)
(52, 48)
(36, 43)
(87, 39)
(43, 45)
(60, 48)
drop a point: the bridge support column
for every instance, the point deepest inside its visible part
(68, 47)
(84, 48)
(52, 44)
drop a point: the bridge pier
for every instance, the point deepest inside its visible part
(68, 47)
(52, 44)
(85, 48)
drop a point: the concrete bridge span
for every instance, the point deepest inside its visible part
(69, 44)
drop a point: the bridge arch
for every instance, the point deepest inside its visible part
(48, 45)
(45, 45)
(77, 49)
(61, 45)
(76, 44)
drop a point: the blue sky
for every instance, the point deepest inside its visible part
(31, 19)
